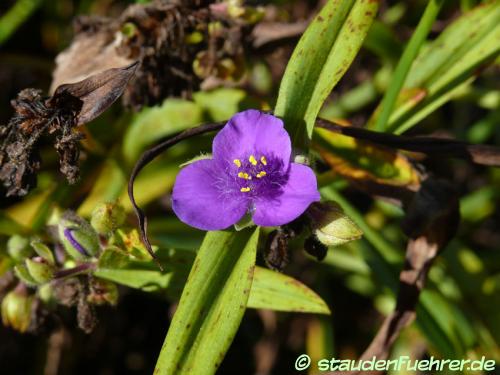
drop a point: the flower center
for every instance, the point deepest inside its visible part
(257, 174)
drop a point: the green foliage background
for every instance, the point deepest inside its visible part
(414, 67)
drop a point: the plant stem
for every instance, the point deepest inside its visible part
(82, 268)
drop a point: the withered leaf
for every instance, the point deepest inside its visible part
(58, 116)
(159, 34)
(97, 92)
(276, 250)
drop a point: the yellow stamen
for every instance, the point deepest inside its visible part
(252, 160)
(237, 162)
(245, 189)
(261, 174)
(244, 175)
(263, 160)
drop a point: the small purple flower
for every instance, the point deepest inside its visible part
(250, 171)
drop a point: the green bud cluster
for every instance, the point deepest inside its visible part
(35, 265)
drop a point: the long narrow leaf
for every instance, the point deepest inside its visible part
(212, 304)
(273, 290)
(449, 64)
(322, 56)
(409, 54)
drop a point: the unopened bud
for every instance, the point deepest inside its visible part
(107, 217)
(16, 309)
(43, 251)
(331, 226)
(23, 274)
(78, 237)
(41, 272)
(18, 247)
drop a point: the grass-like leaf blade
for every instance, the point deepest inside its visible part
(322, 56)
(212, 304)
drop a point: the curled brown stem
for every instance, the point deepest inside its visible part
(149, 156)
(430, 146)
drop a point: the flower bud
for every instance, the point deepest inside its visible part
(331, 226)
(18, 247)
(40, 272)
(16, 309)
(43, 250)
(78, 238)
(107, 217)
(23, 274)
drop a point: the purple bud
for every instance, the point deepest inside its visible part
(69, 236)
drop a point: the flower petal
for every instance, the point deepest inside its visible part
(204, 198)
(252, 132)
(298, 193)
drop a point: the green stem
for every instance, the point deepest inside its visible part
(404, 65)
(15, 17)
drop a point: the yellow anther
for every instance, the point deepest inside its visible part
(261, 174)
(237, 162)
(245, 189)
(244, 175)
(263, 160)
(252, 160)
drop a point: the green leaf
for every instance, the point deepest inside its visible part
(270, 290)
(321, 58)
(212, 304)
(403, 67)
(220, 103)
(116, 265)
(107, 187)
(382, 41)
(9, 226)
(362, 162)
(436, 320)
(16, 16)
(152, 124)
(433, 315)
(450, 63)
(27, 210)
(279, 292)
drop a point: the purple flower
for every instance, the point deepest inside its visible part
(250, 171)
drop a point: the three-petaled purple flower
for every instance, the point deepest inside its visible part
(250, 172)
